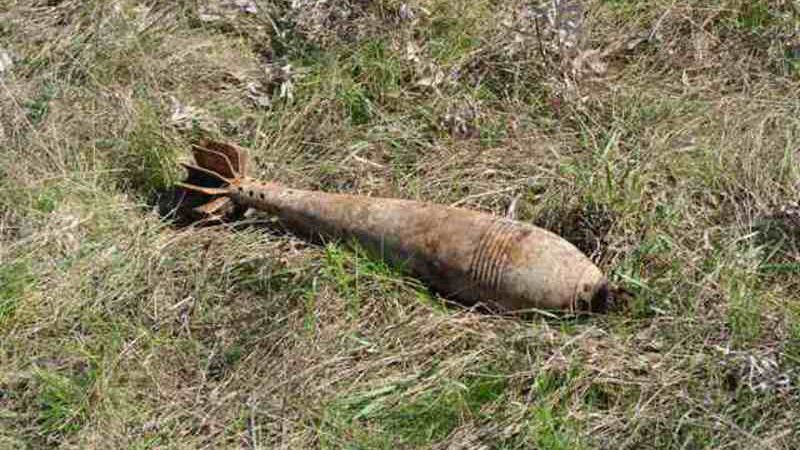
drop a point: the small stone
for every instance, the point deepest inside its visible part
(6, 63)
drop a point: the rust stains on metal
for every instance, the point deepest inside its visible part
(465, 255)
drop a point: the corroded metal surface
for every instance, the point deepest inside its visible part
(465, 255)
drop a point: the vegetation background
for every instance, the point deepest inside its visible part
(662, 137)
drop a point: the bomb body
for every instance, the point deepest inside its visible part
(465, 255)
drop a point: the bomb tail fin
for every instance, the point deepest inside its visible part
(218, 166)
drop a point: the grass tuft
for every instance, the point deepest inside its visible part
(62, 402)
(15, 280)
(377, 418)
(151, 158)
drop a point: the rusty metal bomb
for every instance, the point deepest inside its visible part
(465, 255)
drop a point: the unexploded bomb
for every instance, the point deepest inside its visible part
(464, 255)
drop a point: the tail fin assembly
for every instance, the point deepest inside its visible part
(228, 160)
(217, 166)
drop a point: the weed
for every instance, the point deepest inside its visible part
(357, 105)
(39, 106)
(47, 200)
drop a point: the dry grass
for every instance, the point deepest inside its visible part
(662, 137)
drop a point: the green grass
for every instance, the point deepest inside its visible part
(549, 426)
(753, 16)
(15, 280)
(152, 159)
(384, 418)
(744, 316)
(62, 402)
(120, 329)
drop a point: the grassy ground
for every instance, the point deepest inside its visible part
(662, 137)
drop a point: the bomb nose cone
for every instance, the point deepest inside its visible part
(592, 291)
